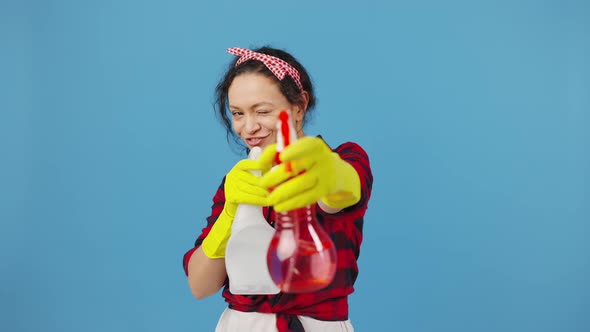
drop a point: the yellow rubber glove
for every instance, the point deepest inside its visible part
(309, 172)
(241, 187)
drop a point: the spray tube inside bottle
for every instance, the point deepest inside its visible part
(301, 257)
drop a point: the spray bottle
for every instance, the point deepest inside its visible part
(301, 257)
(247, 247)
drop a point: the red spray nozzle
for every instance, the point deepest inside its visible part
(286, 135)
(285, 130)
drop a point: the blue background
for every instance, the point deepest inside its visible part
(475, 115)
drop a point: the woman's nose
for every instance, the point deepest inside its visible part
(252, 124)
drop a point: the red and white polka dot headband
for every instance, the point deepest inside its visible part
(278, 67)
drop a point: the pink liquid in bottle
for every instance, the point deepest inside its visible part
(301, 257)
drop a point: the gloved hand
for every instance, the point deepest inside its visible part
(241, 187)
(309, 171)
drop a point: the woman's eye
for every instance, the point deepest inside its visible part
(236, 113)
(264, 111)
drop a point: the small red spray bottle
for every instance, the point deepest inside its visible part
(301, 257)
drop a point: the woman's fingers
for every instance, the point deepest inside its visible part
(245, 176)
(304, 148)
(275, 177)
(296, 192)
(250, 189)
(248, 165)
(267, 158)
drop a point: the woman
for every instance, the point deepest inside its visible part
(256, 87)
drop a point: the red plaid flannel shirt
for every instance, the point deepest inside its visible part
(345, 229)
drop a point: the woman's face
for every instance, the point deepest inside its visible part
(254, 103)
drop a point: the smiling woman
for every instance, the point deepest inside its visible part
(256, 88)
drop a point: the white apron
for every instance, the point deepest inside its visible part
(238, 321)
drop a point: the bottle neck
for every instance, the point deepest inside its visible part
(248, 215)
(294, 218)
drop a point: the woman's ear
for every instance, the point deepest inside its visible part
(300, 109)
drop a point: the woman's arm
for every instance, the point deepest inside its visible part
(205, 275)
(205, 263)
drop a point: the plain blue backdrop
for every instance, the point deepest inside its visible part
(475, 115)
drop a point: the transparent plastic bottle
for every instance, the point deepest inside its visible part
(301, 257)
(245, 254)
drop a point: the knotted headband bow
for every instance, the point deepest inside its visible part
(278, 67)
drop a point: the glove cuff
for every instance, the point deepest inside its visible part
(347, 190)
(216, 241)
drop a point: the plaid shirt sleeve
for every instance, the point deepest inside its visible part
(216, 208)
